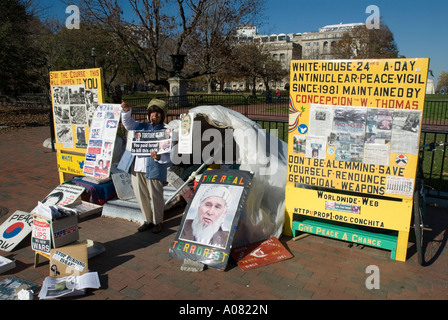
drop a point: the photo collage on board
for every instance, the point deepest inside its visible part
(103, 130)
(74, 107)
(359, 134)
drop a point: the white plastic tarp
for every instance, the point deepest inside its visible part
(261, 153)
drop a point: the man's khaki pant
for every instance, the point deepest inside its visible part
(149, 195)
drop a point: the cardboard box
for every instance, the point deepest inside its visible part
(53, 233)
(64, 231)
(70, 260)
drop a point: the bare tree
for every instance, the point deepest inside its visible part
(251, 61)
(212, 42)
(363, 43)
(163, 28)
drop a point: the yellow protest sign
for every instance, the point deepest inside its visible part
(75, 96)
(70, 163)
(354, 129)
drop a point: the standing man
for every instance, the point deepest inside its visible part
(148, 173)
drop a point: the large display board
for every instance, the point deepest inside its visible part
(354, 129)
(75, 96)
(211, 218)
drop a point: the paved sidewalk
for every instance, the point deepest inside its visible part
(137, 266)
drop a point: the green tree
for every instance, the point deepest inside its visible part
(443, 81)
(19, 57)
(71, 49)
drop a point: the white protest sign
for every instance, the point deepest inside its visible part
(15, 229)
(68, 260)
(41, 237)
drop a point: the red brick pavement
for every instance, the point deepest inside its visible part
(136, 266)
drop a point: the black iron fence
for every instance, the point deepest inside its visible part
(278, 128)
(31, 101)
(435, 113)
(252, 107)
(435, 164)
(261, 107)
(273, 117)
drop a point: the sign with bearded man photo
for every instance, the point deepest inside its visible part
(211, 218)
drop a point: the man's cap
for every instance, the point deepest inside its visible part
(158, 103)
(220, 191)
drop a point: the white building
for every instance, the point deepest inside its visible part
(293, 46)
(318, 45)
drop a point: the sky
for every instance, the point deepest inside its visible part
(420, 28)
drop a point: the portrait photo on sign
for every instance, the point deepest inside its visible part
(53, 198)
(211, 214)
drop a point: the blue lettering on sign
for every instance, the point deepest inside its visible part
(90, 157)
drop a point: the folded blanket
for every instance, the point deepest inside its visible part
(99, 193)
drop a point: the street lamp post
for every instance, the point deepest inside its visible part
(178, 61)
(178, 85)
(93, 57)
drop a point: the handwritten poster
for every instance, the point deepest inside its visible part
(354, 129)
